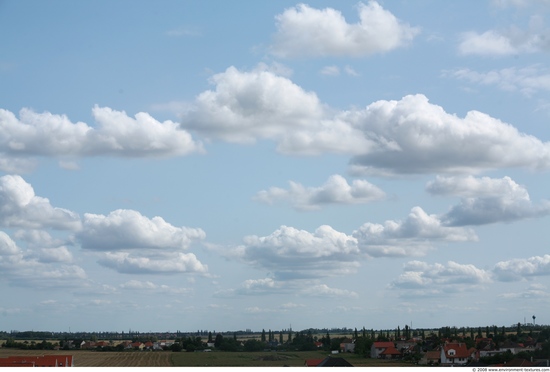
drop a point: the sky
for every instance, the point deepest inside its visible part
(215, 165)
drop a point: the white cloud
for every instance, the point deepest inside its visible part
(49, 267)
(247, 106)
(413, 135)
(303, 31)
(20, 207)
(323, 290)
(138, 284)
(128, 229)
(46, 134)
(259, 287)
(412, 237)
(127, 263)
(350, 71)
(507, 42)
(534, 291)
(486, 200)
(296, 254)
(522, 268)
(335, 191)
(408, 136)
(423, 279)
(330, 71)
(527, 80)
(59, 254)
(290, 254)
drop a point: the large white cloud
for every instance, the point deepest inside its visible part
(128, 229)
(486, 200)
(20, 207)
(290, 253)
(413, 135)
(335, 191)
(522, 268)
(406, 136)
(247, 106)
(413, 236)
(116, 133)
(304, 31)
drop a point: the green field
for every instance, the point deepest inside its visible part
(269, 359)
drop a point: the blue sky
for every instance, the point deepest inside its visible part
(224, 166)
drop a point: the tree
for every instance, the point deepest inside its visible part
(209, 337)
(363, 346)
(253, 345)
(218, 341)
(398, 333)
(263, 335)
(281, 337)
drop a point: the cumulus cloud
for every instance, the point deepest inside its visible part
(408, 136)
(127, 263)
(128, 229)
(49, 267)
(247, 106)
(486, 200)
(296, 254)
(304, 31)
(423, 279)
(413, 135)
(335, 191)
(413, 236)
(20, 207)
(289, 253)
(116, 133)
(323, 290)
(527, 80)
(522, 268)
(507, 42)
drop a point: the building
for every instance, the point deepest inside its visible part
(38, 361)
(455, 354)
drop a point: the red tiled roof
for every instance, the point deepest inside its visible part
(391, 350)
(313, 362)
(383, 344)
(460, 350)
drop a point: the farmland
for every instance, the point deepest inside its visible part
(84, 358)
(269, 359)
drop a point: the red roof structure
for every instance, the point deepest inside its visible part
(37, 361)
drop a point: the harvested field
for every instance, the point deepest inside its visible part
(84, 358)
(270, 359)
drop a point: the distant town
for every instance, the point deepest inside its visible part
(522, 344)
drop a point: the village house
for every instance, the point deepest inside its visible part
(384, 350)
(455, 354)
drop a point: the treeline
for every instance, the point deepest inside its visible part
(26, 345)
